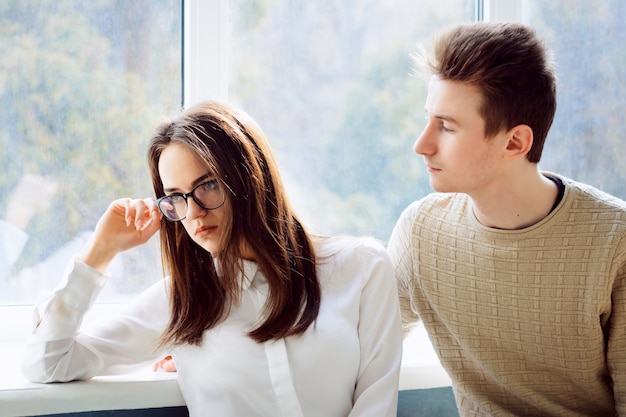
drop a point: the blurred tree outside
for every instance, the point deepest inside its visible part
(330, 83)
(586, 141)
(82, 85)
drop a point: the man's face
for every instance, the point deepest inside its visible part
(458, 156)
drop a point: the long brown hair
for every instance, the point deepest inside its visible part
(234, 148)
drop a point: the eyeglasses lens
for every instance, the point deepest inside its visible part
(174, 208)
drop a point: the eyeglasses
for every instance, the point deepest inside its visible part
(208, 195)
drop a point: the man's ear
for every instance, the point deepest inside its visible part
(519, 141)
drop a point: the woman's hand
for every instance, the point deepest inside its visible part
(127, 223)
(167, 364)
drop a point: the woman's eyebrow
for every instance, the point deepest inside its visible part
(195, 182)
(203, 178)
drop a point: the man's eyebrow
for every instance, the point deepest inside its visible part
(447, 118)
(444, 117)
(193, 184)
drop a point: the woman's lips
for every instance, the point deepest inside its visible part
(205, 230)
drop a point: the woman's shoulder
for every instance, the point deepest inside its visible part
(346, 263)
(347, 247)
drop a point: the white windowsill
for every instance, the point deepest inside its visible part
(144, 388)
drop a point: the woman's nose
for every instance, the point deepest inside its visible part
(194, 209)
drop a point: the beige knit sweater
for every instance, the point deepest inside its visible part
(527, 322)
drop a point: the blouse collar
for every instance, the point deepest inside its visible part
(250, 269)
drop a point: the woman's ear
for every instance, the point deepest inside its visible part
(520, 140)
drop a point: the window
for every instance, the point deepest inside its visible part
(84, 83)
(330, 83)
(82, 86)
(586, 140)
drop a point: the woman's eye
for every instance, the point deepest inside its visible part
(175, 198)
(210, 185)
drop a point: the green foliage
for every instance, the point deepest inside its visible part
(586, 140)
(371, 150)
(329, 81)
(80, 103)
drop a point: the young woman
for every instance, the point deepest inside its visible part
(260, 317)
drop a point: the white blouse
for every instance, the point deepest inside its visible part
(346, 364)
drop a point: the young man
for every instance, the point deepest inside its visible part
(518, 275)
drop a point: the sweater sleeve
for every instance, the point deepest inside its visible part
(616, 347)
(59, 350)
(401, 252)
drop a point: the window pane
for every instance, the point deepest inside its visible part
(586, 142)
(330, 83)
(82, 85)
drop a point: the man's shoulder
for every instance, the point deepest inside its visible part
(435, 202)
(587, 197)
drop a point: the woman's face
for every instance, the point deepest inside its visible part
(181, 171)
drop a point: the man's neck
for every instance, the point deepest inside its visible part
(516, 203)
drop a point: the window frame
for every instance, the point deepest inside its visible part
(500, 10)
(205, 50)
(206, 62)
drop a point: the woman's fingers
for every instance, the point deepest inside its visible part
(128, 211)
(127, 223)
(166, 364)
(140, 213)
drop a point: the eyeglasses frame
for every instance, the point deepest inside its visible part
(186, 198)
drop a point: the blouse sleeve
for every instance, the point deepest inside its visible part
(59, 350)
(380, 336)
